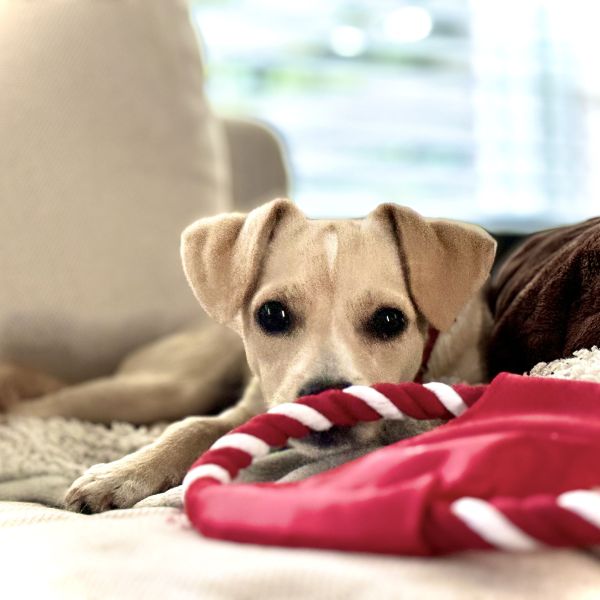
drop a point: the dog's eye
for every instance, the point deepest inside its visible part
(386, 323)
(274, 317)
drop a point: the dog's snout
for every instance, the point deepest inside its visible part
(316, 386)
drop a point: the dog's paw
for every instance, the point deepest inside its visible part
(119, 484)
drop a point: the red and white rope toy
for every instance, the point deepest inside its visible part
(506, 522)
(356, 404)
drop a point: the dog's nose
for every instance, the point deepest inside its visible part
(316, 386)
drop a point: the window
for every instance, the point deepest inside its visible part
(475, 110)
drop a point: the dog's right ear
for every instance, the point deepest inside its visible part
(447, 262)
(222, 255)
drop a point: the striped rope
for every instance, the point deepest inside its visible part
(355, 404)
(511, 524)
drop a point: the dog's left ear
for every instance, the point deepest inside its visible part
(447, 261)
(222, 255)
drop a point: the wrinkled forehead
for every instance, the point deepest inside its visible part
(339, 254)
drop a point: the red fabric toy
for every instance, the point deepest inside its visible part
(516, 471)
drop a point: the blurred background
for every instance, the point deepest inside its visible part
(470, 109)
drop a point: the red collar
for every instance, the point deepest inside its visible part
(432, 336)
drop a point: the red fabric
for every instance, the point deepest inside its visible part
(523, 442)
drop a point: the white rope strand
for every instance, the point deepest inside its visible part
(306, 415)
(201, 471)
(375, 400)
(492, 526)
(448, 397)
(243, 441)
(584, 503)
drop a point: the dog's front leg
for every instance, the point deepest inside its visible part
(160, 465)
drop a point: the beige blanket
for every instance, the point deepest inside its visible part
(153, 553)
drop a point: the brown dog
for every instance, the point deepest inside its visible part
(317, 304)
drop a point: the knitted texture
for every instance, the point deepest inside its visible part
(584, 365)
(42, 457)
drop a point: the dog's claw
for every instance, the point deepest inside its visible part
(85, 509)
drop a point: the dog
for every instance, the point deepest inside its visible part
(308, 305)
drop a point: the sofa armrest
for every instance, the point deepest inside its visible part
(258, 163)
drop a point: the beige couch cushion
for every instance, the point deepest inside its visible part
(108, 149)
(258, 163)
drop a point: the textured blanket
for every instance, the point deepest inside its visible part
(546, 298)
(39, 459)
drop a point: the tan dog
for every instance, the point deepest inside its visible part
(317, 304)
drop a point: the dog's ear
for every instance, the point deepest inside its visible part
(447, 261)
(222, 255)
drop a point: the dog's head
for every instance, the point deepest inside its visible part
(323, 304)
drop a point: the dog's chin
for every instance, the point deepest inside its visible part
(336, 440)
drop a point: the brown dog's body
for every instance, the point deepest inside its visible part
(315, 304)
